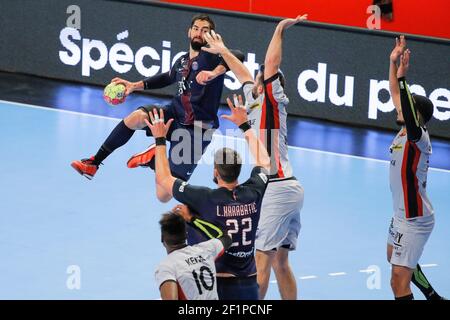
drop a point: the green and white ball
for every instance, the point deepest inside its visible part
(114, 94)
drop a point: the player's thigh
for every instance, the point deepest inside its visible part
(264, 260)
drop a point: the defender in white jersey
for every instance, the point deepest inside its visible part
(413, 218)
(266, 103)
(188, 272)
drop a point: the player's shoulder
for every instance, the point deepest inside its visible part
(259, 176)
(207, 244)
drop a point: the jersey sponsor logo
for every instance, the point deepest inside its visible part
(396, 147)
(241, 254)
(255, 105)
(263, 177)
(181, 188)
(393, 163)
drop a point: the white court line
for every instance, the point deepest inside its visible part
(292, 147)
(429, 265)
(307, 277)
(367, 270)
(337, 274)
(273, 281)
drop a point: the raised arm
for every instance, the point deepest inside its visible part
(169, 290)
(159, 130)
(239, 117)
(272, 61)
(400, 46)
(412, 123)
(217, 46)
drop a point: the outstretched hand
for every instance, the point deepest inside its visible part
(404, 64)
(157, 126)
(286, 23)
(215, 43)
(399, 49)
(238, 111)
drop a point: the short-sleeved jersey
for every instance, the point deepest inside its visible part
(234, 211)
(193, 269)
(408, 175)
(268, 117)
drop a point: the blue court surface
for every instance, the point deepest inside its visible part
(55, 224)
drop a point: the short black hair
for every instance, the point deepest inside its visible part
(203, 17)
(173, 228)
(228, 163)
(424, 106)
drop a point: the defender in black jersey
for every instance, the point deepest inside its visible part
(199, 77)
(233, 207)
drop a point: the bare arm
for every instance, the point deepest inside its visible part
(159, 130)
(169, 290)
(239, 117)
(203, 77)
(217, 46)
(272, 61)
(400, 46)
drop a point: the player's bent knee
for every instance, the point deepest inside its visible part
(136, 119)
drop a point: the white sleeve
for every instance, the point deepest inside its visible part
(424, 143)
(214, 247)
(164, 273)
(248, 88)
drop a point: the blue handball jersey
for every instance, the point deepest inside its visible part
(192, 101)
(235, 211)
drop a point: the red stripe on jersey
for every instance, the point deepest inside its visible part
(404, 183)
(188, 112)
(411, 190)
(276, 117)
(181, 295)
(416, 181)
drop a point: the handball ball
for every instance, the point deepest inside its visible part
(114, 94)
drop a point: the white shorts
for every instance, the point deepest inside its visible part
(279, 223)
(408, 238)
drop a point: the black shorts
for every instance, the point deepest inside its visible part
(182, 164)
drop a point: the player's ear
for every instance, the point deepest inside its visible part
(260, 89)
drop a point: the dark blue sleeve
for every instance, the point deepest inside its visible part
(159, 81)
(194, 197)
(413, 129)
(258, 180)
(163, 79)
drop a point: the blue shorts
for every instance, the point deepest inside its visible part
(233, 288)
(182, 159)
